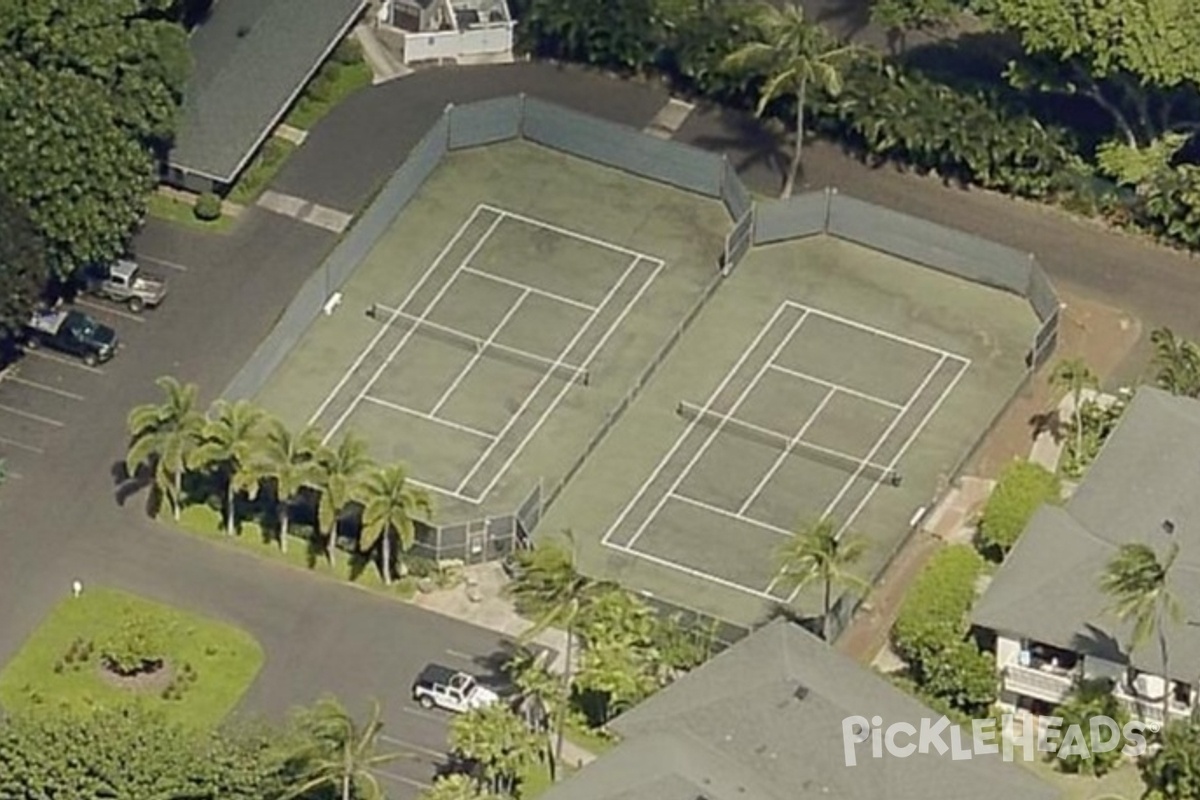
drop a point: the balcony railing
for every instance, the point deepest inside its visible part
(1047, 683)
(1150, 709)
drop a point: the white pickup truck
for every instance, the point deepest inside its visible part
(442, 687)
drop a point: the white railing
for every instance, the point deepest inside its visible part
(451, 45)
(1050, 686)
(1150, 709)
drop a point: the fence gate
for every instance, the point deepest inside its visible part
(476, 551)
(737, 242)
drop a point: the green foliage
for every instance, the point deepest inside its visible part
(207, 207)
(24, 266)
(543, 575)
(934, 613)
(499, 742)
(1174, 770)
(1091, 699)
(137, 645)
(164, 436)
(962, 676)
(390, 507)
(701, 35)
(1097, 422)
(342, 752)
(818, 554)
(262, 170)
(347, 52)
(913, 15)
(623, 35)
(1176, 363)
(457, 787)
(939, 705)
(1023, 487)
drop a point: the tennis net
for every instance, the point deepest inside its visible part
(501, 352)
(788, 444)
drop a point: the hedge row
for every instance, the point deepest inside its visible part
(1023, 487)
(935, 609)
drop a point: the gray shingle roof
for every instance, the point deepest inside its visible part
(735, 729)
(250, 59)
(1147, 473)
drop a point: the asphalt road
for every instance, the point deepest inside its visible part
(62, 517)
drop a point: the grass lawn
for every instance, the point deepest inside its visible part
(346, 80)
(224, 659)
(206, 522)
(171, 209)
(595, 743)
(262, 171)
(1122, 783)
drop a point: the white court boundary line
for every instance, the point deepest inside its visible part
(902, 411)
(465, 267)
(583, 237)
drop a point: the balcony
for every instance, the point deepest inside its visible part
(1150, 708)
(1042, 681)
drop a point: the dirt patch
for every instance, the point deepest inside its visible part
(1104, 337)
(144, 682)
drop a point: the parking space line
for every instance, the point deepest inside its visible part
(44, 388)
(463, 656)
(116, 312)
(65, 362)
(402, 779)
(21, 445)
(416, 748)
(29, 415)
(162, 262)
(424, 715)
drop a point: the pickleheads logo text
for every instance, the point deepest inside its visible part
(990, 737)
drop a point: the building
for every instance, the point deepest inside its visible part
(1044, 608)
(763, 721)
(250, 61)
(458, 31)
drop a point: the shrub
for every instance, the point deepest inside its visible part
(934, 613)
(348, 52)
(322, 86)
(1098, 422)
(135, 646)
(962, 676)
(207, 207)
(1022, 488)
(1090, 700)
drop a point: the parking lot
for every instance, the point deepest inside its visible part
(44, 394)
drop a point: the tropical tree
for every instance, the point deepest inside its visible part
(457, 787)
(339, 473)
(498, 741)
(792, 56)
(232, 441)
(541, 691)
(344, 752)
(1176, 362)
(390, 506)
(1139, 586)
(24, 265)
(1073, 376)
(164, 435)
(288, 460)
(817, 553)
(563, 594)
(1173, 771)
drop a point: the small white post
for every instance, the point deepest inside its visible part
(77, 588)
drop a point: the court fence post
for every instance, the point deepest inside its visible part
(521, 115)
(830, 191)
(448, 113)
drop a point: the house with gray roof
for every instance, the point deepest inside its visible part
(764, 721)
(250, 61)
(1051, 623)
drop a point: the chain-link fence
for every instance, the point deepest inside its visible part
(685, 167)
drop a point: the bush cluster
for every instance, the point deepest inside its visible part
(207, 207)
(1022, 488)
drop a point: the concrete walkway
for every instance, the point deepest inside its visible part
(384, 65)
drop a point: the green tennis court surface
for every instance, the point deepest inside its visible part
(493, 326)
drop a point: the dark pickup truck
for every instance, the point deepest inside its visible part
(72, 332)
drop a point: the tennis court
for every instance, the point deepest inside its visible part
(815, 416)
(493, 326)
(501, 327)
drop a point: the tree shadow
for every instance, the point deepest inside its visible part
(752, 149)
(1100, 643)
(126, 485)
(845, 19)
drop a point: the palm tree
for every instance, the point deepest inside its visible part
(498, 741)
(1140, 588)
(541, 691)
(232, 441)
(1073, 375)
(339, 472)
(563, 596)
(164, 435)
(289, 461)
(390, 504)
(344, 753)
(816, 552)
(1177, 363)
(792, 55)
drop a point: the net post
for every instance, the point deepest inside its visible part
(448, 113)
